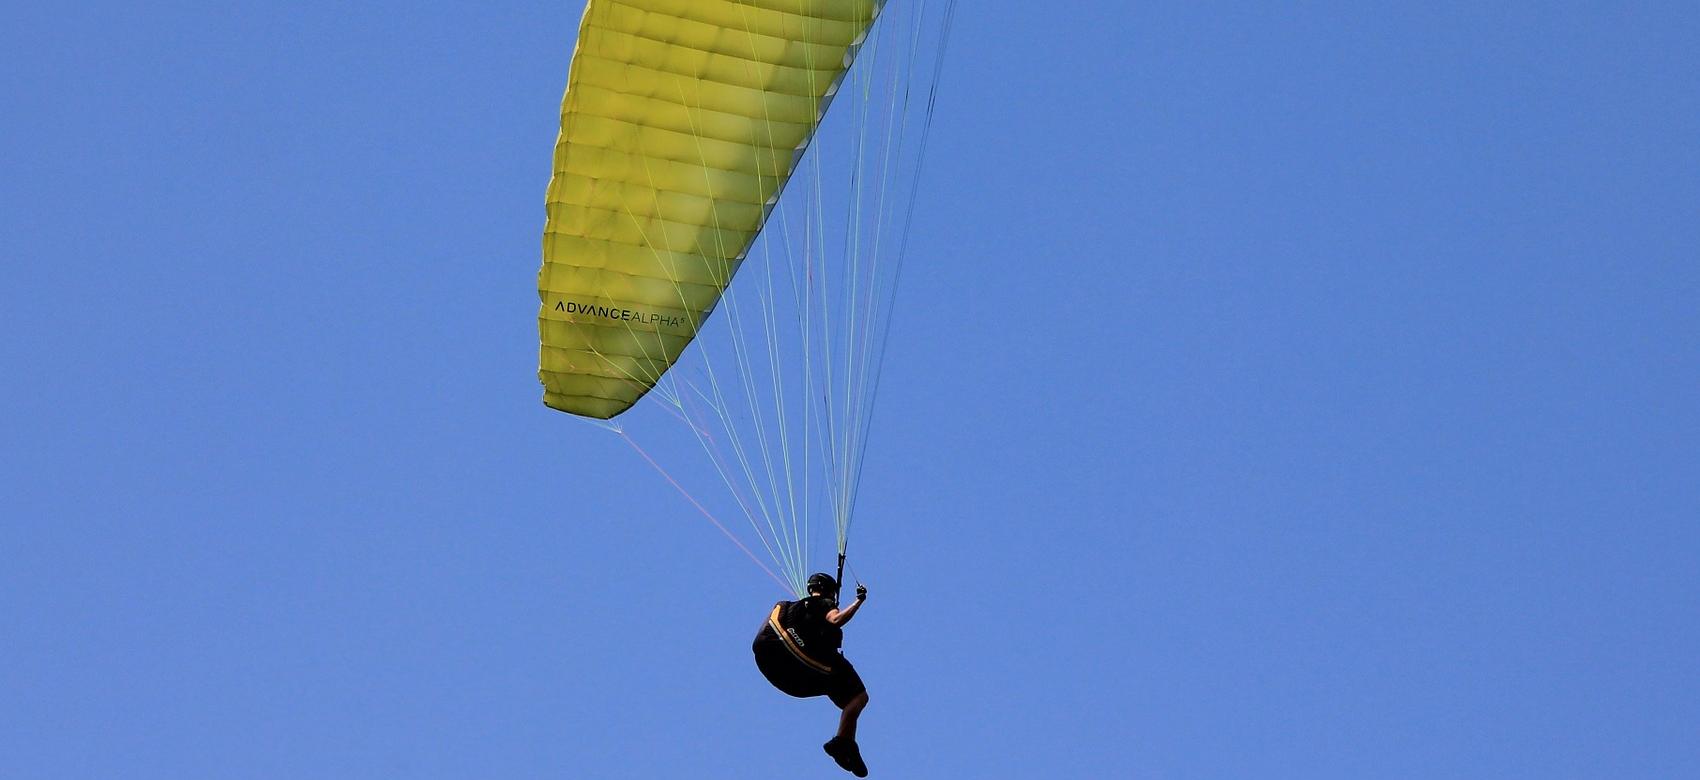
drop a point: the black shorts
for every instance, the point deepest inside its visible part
(795, 678)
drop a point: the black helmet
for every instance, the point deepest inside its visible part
(824, 584)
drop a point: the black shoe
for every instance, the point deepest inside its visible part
(848, 756)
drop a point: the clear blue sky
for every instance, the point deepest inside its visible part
(1285, 391)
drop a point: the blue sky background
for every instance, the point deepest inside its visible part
(1281, 391)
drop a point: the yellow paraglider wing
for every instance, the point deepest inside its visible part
(682, 121)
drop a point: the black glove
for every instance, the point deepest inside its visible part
(861, 591)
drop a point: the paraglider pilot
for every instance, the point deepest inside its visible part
(798, 651)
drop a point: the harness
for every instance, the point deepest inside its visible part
(793, 642)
